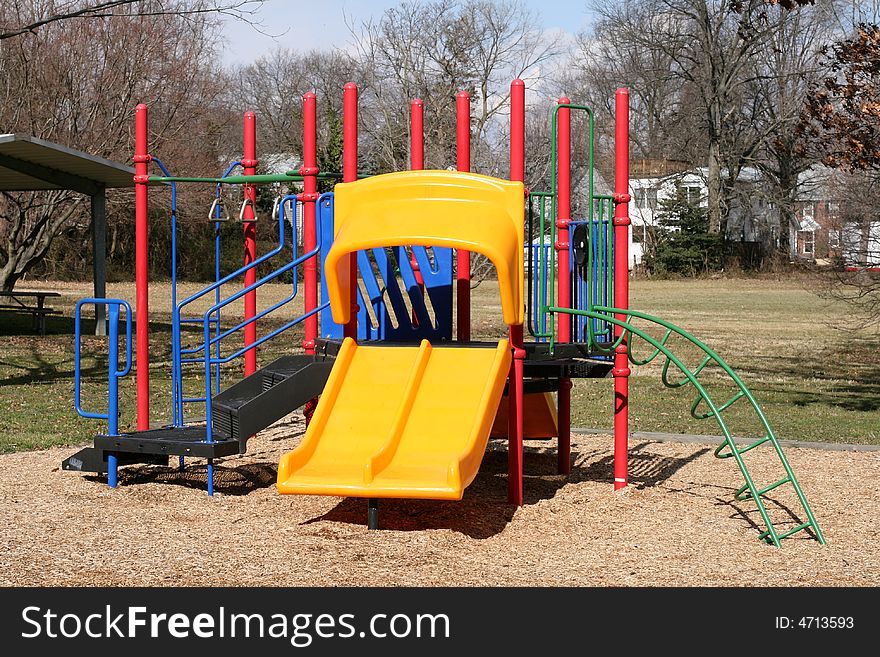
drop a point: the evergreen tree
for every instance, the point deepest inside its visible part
(684, 244)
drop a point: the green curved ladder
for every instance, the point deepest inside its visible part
(728, 447)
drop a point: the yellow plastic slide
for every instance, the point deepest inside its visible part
(407, 422)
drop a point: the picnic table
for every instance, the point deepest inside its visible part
(31, 302)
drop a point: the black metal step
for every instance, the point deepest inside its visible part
(569, 368)
(572, 360)
(535, 386)
(172, 441)
(561, 351)
(268, 395)
(90, 459)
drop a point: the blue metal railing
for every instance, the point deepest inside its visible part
(538, 258)
(177, 321)
(113, 371)
(176, 381)
(591, 282)
(209, 317)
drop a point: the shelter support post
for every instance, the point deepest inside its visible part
(99, 257)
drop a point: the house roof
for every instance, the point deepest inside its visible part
(818, 183)
(29, 163)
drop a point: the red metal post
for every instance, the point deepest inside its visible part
(417, 135)
(563, 217)
(463, 258)
(142, 249)
(309, 197)
(563, 276)
(416, 162)
(249, 163)
(621, 370)
(515, 380)
(349, 174)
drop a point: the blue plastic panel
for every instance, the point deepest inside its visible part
(395, 299)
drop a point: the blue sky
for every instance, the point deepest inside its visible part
(319, 24)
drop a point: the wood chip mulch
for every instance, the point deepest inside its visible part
(676, 525)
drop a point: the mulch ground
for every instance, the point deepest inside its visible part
(677, 524)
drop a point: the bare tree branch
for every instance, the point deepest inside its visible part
(242, 9)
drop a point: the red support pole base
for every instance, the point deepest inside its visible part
(309, 410)
(621, 373)
(515, 420)
(563, 449)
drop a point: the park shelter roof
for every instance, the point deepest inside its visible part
(29, 163)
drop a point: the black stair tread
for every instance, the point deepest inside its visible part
(288, 365)
(181, 441)
(236, 396)
(264, 397)
(540, 351)
(571, 368)
(196, 433)
(91, 459)
(233, 402)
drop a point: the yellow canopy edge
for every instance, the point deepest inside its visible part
(455, 209)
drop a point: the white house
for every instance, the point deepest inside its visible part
(646, 194)
(832, 222)
(750, 215)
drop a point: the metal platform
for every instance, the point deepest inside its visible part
(90, 459)
(171, 441)
(572, 360)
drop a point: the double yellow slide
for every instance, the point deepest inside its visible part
(409, 422)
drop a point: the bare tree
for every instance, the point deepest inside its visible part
(433, 50)
(79, 87)
(28, 17)
(771, 108)
(273, 86)
(660, 111)
(710, 46)
(844, 127)
(855, 281)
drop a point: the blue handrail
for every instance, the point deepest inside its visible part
(241, 270)
(211, 316)
(113, 371)
(176, 381)
(217, 275)
(205, 348)
(177, 350)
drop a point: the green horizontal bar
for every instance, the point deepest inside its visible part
(229, 180)
(779, 483)
(289, 176)
(724, 406)
(772, 535)
(745, 449)
(742, 498)
(719, 455)
(738, 495)
(760, 441)
(795, 530)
